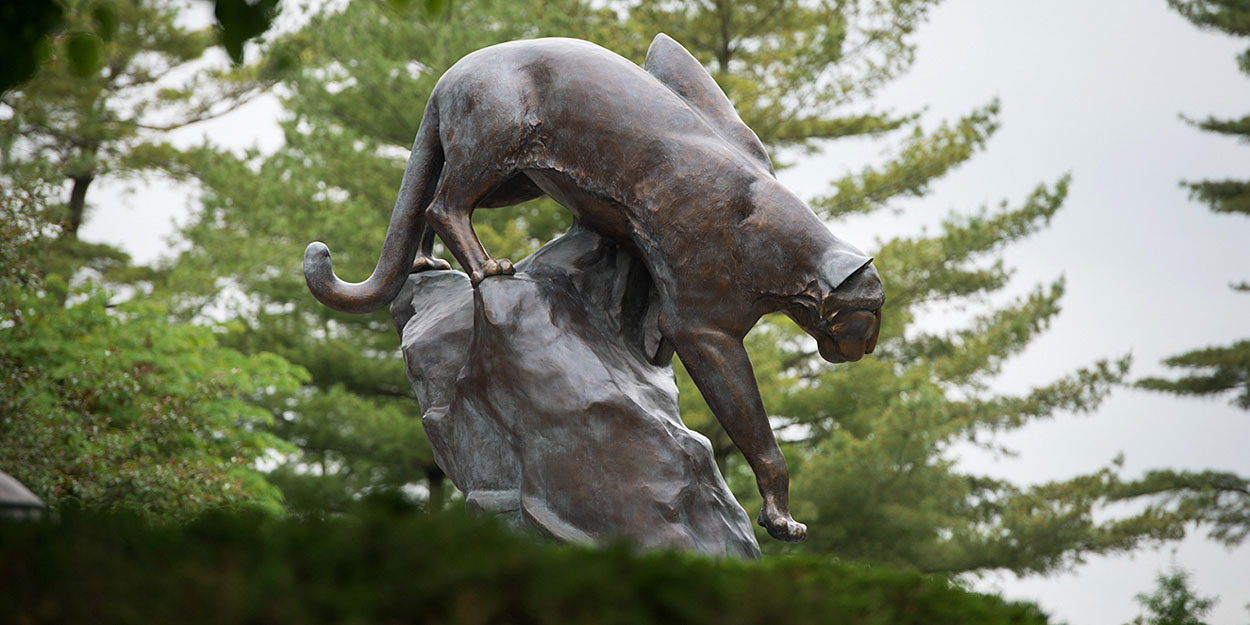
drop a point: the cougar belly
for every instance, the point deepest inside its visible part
(600, 213)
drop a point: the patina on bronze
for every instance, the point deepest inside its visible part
(657, 160)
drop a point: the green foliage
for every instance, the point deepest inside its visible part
(123, 72)
(114, 406)
(26, 27)
(388, 565)
(1173, 602)
(1222, 500)
(788, 66)
(1231, 17)
(1222, 369)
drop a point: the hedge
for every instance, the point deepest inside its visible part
(389, 564)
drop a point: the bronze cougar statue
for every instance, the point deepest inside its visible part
(657, 160)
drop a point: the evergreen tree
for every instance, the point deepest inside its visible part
(1173, 602)
(1220, 499)
(1217, 370)
(115, 81)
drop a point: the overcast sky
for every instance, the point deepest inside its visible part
(1091, 88)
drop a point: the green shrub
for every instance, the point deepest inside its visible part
(387, 564)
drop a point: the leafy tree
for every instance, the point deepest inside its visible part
(1173, 602)
(112, 405)
(112, 84)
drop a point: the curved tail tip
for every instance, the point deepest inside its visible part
(316, 252)
(317, 268)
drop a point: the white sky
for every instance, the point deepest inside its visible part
(1091, 88)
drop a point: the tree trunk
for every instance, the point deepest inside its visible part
(77, 204)
(724, 10)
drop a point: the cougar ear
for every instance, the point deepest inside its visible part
(842, 264)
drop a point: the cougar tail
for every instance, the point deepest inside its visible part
(403, 235)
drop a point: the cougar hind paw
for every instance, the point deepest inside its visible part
(428, 263)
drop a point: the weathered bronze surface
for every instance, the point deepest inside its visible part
(542, 405)
(656, 160)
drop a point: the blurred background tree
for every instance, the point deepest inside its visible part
(113, 406)
(121, 75)
(31, 29)
(1220, 499)
(1173, 602)
(1217, 370)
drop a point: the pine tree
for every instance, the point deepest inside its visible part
(1220, 499)
(1217, 370)
(114, 82)
(1173, 602)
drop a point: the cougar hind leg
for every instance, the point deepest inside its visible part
(517, 189)
(450, 216)
(425, 260)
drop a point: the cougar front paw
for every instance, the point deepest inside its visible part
(428, 263)
(781, 527)
(501, 267)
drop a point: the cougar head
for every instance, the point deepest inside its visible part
(841, 308)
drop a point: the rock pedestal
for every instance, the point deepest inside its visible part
(542, 402)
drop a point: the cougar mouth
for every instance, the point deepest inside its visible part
(853, 334)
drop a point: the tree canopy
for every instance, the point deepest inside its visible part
(76, 121)
(112, 405)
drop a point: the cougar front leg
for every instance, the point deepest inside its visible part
(450, 216)
(719, 366)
